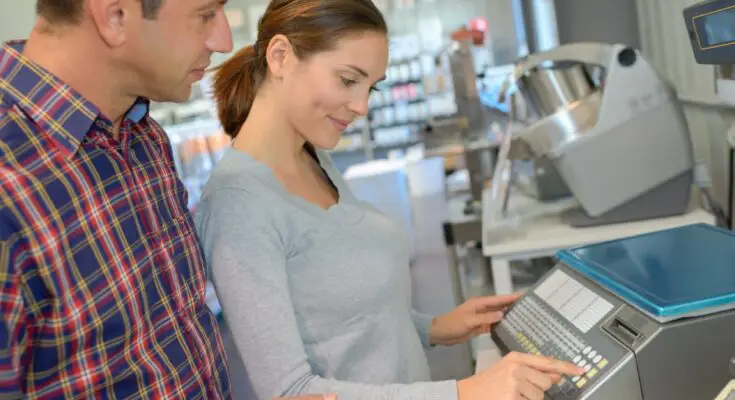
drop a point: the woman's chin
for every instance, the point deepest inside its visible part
(326, 143)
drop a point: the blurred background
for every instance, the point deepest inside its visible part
(429, 152)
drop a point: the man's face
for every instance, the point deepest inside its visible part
(164, 56)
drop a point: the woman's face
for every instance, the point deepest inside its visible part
(326, 92)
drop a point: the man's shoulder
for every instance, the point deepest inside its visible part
(12, 131)
(17, 131)
(21, 154)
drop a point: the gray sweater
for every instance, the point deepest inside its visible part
(318, 301)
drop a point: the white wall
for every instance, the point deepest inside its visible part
(16, 18)
(612, 21)
(664, 42)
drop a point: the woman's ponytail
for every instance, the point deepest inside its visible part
(235, 85)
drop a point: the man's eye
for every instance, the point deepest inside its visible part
(348, 82)
(374, 89)
(208, 16)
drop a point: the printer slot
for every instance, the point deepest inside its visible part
(623, 331)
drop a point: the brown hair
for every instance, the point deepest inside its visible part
(70, 11)
(311, 26)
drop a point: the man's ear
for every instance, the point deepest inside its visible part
(110, 18)
(278, 55)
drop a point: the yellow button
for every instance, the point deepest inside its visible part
(581, 382)
(602, 363)
(592, 373)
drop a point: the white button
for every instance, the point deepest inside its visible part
(597, 359)
(592, 354)
(586, 350)
(577, 359)
(582, 363)
(575, 379)
(587, 368)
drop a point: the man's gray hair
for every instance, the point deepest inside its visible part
(70, 11)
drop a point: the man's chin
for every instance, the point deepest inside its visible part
(181, 94)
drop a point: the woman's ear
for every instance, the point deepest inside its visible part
(280, 56)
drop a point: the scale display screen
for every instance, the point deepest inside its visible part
(711, 29)
(718, 28)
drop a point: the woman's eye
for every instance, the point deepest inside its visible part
(348, 82)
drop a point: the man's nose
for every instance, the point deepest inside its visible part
(220, 40)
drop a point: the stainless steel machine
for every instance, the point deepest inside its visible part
(649, 317)
(474, 125)
(711, 28)
(607, 127)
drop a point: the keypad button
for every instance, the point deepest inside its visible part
(592, 373)
(597, 359)
(592, 354)
(582, 363)
(569, 389)
(581, 382)
(587, 368)
(586, 350)
(602, 363)
(577, 359)
(575, 379)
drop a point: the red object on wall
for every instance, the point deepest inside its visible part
(478, 28)
(480, 24)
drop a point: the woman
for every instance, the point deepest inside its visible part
(314, 283)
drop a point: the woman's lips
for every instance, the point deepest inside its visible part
(340, 124)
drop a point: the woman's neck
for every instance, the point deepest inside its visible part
(269, 138)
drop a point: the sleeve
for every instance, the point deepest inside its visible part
(247, 256)
(423, 322)
(13, 332)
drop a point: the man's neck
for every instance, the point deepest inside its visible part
(76, 60)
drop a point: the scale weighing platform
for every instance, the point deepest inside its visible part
(648, 317)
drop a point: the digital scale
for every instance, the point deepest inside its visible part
(711, 29)
(648, 317)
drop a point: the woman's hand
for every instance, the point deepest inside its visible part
(516, 376)
(474, 317)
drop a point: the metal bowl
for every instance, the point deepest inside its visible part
(549, 88)
(564, 126)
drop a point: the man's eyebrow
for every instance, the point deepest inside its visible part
(212, 4)
(362, 72)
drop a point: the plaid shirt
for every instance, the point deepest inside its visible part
(102, 281)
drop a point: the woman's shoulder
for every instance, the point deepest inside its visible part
(235, 187)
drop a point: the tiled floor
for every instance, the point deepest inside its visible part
(431, 294)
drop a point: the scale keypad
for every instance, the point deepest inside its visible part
(542, 332)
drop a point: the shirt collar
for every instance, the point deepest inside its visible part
(59, 110)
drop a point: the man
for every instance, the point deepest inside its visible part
(102, 282)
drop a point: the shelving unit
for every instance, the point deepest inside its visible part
(416, 90)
